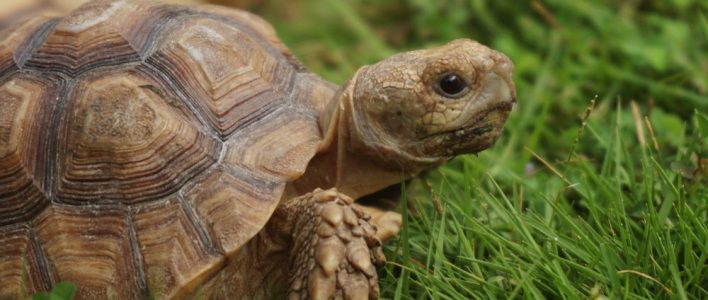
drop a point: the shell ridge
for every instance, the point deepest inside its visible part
(252, 33)
(52, 157)
(46, 279)
(35, 40)
(199, 226)
(180, 92)
(166, 19)
(136, 255)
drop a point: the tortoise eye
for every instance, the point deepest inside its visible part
(452, 85)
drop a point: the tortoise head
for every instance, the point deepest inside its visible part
(428, 105)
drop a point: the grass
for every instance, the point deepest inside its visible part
(567, 205)
(60, 291)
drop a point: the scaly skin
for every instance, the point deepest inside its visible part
(335, 249)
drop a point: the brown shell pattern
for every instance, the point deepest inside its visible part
(141, 144)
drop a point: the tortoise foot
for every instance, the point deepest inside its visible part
(335, 249)
(387, 223)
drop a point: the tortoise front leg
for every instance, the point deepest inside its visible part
(334, 248)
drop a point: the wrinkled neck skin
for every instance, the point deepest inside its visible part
(352, 157)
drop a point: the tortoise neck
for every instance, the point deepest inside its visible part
(339, 165)
(342, 160)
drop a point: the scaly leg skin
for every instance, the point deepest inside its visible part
(387, 223)
(335, 248)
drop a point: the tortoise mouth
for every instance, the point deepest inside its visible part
(476, 135)
(480, 124)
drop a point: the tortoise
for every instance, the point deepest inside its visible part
(154, 150)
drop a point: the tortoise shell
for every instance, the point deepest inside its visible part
(142, 144)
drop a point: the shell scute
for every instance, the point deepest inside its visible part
(100, 33)
(126, 144)
(26, 102)
(90, 247)
(19, 272)
(230, 77)
(174, 260)
(274, 150)
(234, 205)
